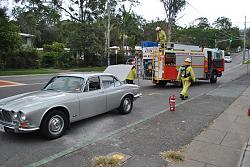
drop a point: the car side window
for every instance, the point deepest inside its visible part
(93, 83)
(117, 82)
(75, 84)
(107, 82)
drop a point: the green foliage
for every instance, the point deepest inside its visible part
(49, 59)
(203, 23)
(149, 29)
(54, 55)
(55, 47)
(223, 23)
(196, 36)
(9, 37)
(173, 7)
(90, 10)
(39, 20)
(22, 58)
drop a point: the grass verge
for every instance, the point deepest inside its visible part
(27, 71)
(106, 161)
(8, 72)
(247, 62)
(173, 156)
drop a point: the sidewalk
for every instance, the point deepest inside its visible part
(221, 116)
(226, 142)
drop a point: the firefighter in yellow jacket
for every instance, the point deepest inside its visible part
(161, 37)
(186, 76)
(131, 76)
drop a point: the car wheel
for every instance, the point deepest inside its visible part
(54, 124)
(126, 105)
(213, 78)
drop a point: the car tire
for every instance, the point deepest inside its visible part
(126, 105)
(54, 124)
(213, 78)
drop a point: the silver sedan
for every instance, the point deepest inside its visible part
(66, 99)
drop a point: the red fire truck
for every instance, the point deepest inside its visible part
(161, 65)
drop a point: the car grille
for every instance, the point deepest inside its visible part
(5, 116)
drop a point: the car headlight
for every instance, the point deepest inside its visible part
(22, 116)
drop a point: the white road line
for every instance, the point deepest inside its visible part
(23, 85)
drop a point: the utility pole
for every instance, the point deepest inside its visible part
(108, 34)
(247, 59)
(244, 53)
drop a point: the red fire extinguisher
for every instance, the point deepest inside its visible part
(172, 102)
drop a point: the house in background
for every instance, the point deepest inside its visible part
(27, 39)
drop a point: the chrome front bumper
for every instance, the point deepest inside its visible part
(138, 95)
(14, 127)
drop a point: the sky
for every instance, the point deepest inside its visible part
(211, 9)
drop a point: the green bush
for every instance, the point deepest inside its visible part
(49, 59)
(55, 47)
(23, 58)
(66, 60)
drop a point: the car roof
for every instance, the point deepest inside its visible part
(84, 75)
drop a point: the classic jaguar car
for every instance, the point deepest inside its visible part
(66, 99)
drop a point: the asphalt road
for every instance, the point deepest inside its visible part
(24, 149)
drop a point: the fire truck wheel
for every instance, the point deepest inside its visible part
(161, 83)
(178, 84)
(213, 78)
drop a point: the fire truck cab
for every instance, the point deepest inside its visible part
(162, 65)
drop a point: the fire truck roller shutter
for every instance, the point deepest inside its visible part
(198, 66)
(180, 59)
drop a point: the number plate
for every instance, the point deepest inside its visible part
(2, 128)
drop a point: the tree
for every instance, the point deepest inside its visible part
(9, 37)
(149, 29)
(222, 23)
(10, 40)
(172, 8)
(81, 10)
(227, 34)
(202, 22)
(38, 19)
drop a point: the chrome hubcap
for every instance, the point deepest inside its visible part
(127, 104)
(56, 125)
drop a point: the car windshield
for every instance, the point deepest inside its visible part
(65, 83)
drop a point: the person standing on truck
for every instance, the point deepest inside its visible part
(186, 76)
(131, 76)
(161, 37)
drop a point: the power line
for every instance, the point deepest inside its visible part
(194, 8)
(225, 32)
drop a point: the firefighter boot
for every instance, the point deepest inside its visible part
(182, 97)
